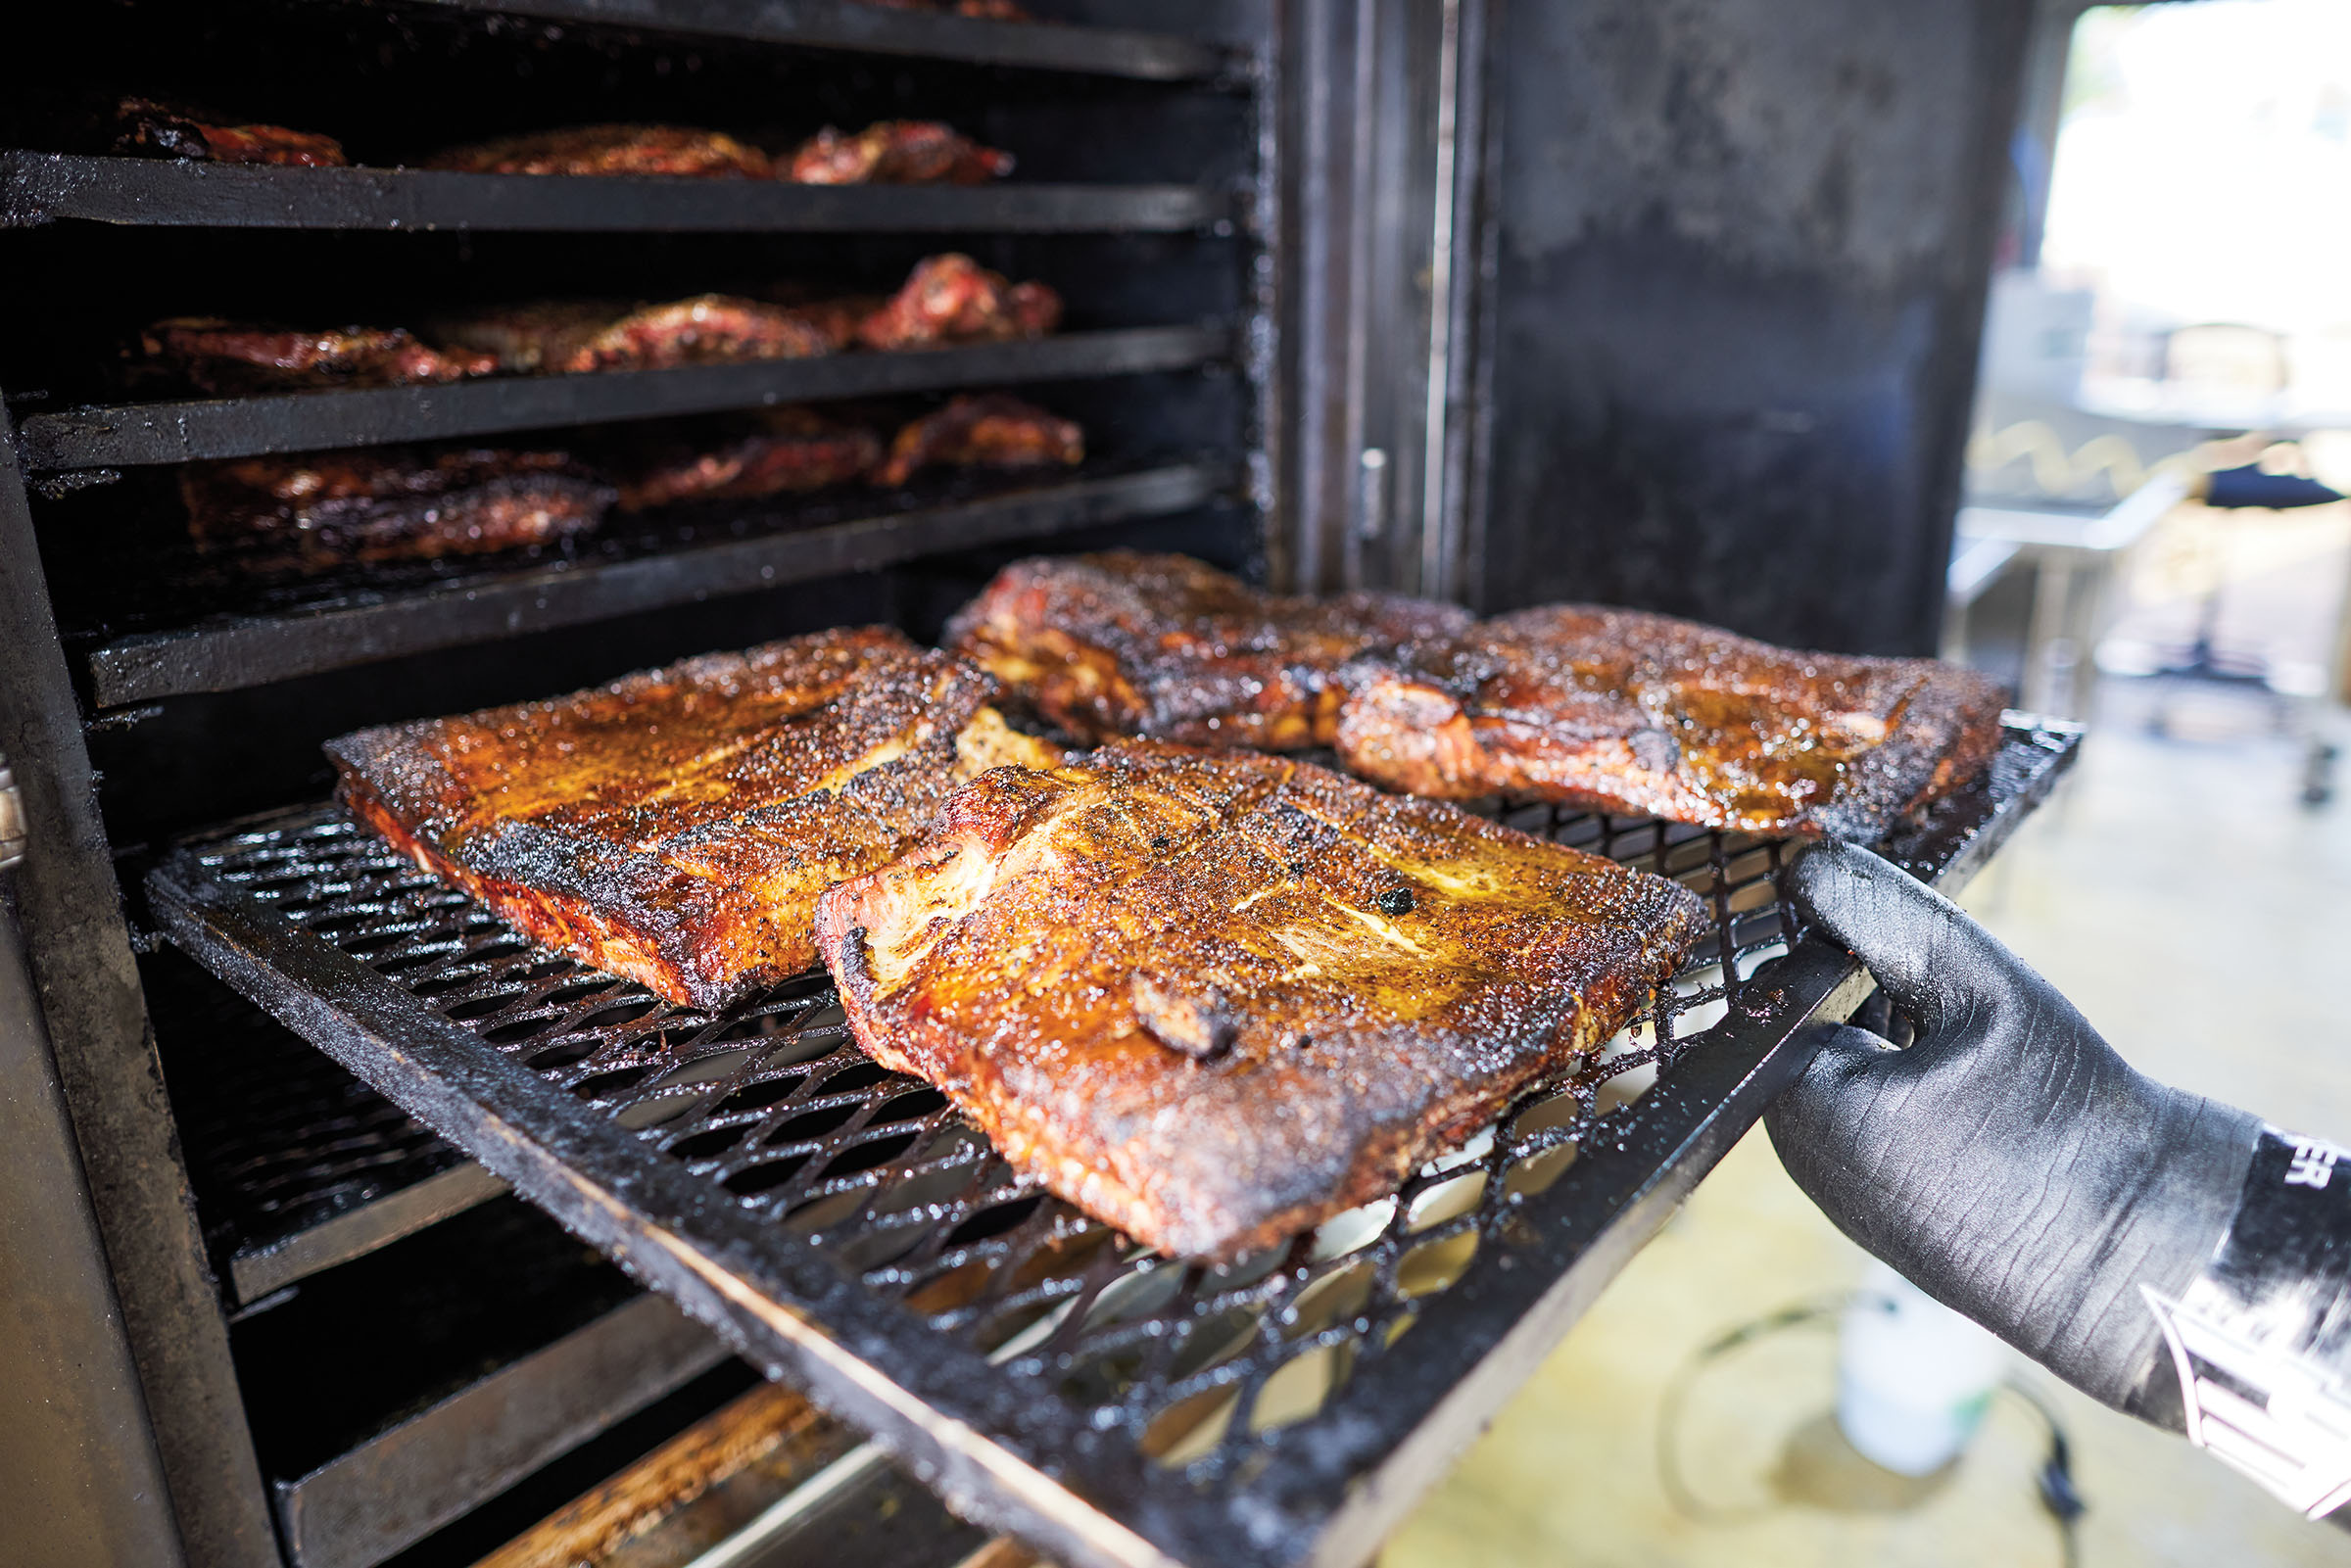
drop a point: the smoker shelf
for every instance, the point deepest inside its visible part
(876, 30)
(297, 1166)
(328, 624)
(402, 1393)
(846, 1229)
(42, 187)
(129, 435)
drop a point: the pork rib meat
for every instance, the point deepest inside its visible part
(1166, 646)
(235, 357)
(777, 451)
(387, 503)
(952, 299)
(1624, 711)
(676, 826)
(987, 430)
(1214, 998)
(573, 337)
(896, 152)
(675, 150)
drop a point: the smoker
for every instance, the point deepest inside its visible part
(346, 1228)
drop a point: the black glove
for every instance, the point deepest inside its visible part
(2009, 1164)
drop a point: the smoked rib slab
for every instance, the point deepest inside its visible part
(1213, 998)
(1640, 714)
(1611, 710)
(676, 826)
(1167, 647)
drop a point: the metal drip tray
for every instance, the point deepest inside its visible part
(847, 1231)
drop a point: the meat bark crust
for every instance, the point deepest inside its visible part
(1214, 998)
(777, 451)
(234, 357)
(573, 337)
(949, 298)
(321, 510)
(1171, 649)
(896, 152)
(1624, 711)
(152, 127)
(992, 430)
(676, 826)
(672, 150)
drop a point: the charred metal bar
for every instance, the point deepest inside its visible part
(43, 187)
(134, 434)
(225, 655)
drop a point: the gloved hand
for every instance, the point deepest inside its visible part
(2009, 1164)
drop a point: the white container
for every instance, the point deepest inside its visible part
(1912, 1376)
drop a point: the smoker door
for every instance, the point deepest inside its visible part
(1739, 255)
(1668, 307)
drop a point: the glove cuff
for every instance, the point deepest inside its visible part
(2256, 1357)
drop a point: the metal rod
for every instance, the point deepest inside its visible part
(1436, 561)
(129, 435)
(43, 187)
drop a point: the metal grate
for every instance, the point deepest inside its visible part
(297, 1164)
(1203, 1414)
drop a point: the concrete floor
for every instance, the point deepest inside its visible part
(2196, 914)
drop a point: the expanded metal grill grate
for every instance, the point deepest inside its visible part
(1173, 1386)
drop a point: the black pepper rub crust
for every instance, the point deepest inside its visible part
(676, 826)
(1220, 1043)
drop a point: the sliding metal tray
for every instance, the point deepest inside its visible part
(849, 1232)
(178, 640)
(857, 25)
(129, 435)
(38, 188)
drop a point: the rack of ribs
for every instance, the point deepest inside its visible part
(1623, 711)
(155, 128)
(322, 509)
(1612, 710)
(675, 150)
(1170, 647)
(577, 336)
(774, 451)
(676, 826)
(1214, 998)
(896, 152)
(234, 357)
(987, 430)
(952, 299)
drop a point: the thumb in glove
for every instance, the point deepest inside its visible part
(2009, 1162)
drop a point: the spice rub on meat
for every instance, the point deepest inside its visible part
(1170, 647)
(896, 152)
(989, 430)
(313, 511)
(235, 357)
(676, 826)
(1214, 998)
(1623, 711)
(670, 150)
(157, 128)
(573, 337)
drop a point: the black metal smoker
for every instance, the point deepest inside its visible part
(1672, 306)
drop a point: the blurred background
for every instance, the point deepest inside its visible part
(2149, 542)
